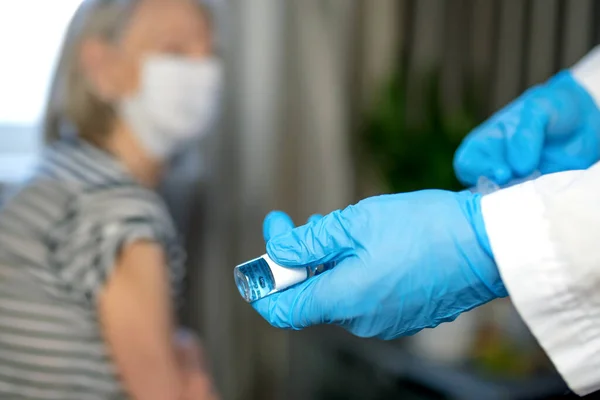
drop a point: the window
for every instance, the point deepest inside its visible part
(31, 33)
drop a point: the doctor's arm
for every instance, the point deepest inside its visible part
(545, 234)
(545, 238)
(411, 261)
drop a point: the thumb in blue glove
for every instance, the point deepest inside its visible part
(552, 127)
(403, 263)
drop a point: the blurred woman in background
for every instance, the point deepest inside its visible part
(89, 258)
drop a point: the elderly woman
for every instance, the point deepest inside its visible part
(89, 259)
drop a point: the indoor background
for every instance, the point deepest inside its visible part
(330, 101)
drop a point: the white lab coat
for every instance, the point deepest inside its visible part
(545, 236)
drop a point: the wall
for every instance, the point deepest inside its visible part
(301, 75)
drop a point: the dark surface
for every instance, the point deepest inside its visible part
(377, 370)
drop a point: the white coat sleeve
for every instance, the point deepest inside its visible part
(545, 236)
(587, 73)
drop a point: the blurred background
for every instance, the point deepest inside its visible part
(330, 101)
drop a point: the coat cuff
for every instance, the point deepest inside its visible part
(587, 73)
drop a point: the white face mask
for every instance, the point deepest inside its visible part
(177, 102)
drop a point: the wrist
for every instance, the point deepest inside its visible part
(472, 210)
(485, 266)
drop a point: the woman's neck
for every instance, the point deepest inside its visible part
(123, 144)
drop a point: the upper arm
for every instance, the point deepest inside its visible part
(115, 250)
(136, 314)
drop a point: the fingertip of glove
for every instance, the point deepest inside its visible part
(466, 166)
(314, 218)
(458, 163)
(501, 175)
(277, 215)
(263, 308)
(522, 165)
(276, 223)
(282, 250)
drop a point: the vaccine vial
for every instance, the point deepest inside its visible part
(487, 186)
(262, 277)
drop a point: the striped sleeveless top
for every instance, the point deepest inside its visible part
(60, 235)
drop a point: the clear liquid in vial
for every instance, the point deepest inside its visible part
(262, 277)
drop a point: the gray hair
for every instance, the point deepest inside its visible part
(71, 105)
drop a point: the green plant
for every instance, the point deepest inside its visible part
(413, 156)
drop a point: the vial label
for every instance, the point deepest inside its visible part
(262, 277)
(259, 281)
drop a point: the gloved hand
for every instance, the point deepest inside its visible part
(404, 262)
(552, 127)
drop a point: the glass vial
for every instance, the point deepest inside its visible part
(262, 277)
(487, 186)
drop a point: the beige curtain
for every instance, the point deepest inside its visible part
(295, 79)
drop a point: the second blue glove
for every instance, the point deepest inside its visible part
(551, 128)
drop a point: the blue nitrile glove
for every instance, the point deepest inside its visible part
(404, 262)
(552, 127)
